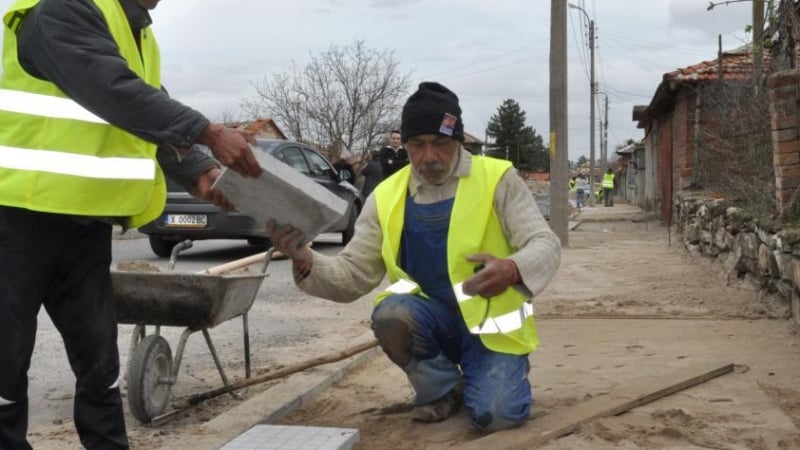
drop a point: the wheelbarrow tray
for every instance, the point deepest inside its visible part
(191, 300)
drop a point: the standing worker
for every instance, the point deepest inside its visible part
(393, 157)
(83, 112)
(582, 190)
(457, 318)
(608, 188)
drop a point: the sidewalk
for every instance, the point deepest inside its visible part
(625, 307)
(619, 212)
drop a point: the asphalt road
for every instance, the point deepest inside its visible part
(52, 383)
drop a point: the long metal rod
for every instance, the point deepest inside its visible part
(246, 329)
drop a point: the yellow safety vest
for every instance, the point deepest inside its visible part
(56, 156)
(608, 181)
(474, 228)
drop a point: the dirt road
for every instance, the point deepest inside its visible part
(624, 307)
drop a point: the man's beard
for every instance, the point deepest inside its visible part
(436, 172)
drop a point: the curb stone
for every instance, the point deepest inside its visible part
(271, 405)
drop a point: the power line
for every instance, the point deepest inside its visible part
(583, 47)
(484, 60)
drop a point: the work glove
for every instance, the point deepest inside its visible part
(492, 275)
(289, 241)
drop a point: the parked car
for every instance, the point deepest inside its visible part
(186, 217)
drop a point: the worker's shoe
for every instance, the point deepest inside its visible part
(440, 409)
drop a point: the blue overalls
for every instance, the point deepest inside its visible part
(429, 340)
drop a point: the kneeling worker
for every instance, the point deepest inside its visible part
(466, 249)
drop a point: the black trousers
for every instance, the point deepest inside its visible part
(608, 197)
(53, 261)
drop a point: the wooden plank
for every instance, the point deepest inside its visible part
(562, 422)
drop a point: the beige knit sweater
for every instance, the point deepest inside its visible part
(359, 267)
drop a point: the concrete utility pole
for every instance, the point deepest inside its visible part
(592, 88)
(605, 136)
(559, 158)
(602, 127)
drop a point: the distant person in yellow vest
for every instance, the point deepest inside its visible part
(608, 188)
(458, 317)
(82, 114)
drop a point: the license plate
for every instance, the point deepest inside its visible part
(186, 220)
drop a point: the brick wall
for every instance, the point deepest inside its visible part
(784, 89)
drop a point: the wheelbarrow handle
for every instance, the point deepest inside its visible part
(240, 263)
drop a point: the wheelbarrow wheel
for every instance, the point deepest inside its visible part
(149, 378)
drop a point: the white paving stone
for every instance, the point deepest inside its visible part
(286, 437)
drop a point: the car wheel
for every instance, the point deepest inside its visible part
(162, 247)
(347, 234)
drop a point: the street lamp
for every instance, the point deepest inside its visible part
(591, 102)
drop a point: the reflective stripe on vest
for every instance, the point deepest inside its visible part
(403, 286)
(79, 165)
(504, 323)
(58, 157)
(4, 402)
(36, 105)
(63, 162)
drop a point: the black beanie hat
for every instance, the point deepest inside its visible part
(432, 109)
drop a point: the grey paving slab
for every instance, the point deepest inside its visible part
(283, 194)
(286, 437)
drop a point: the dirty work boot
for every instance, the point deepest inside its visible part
(440, 409)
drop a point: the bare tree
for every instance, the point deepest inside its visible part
(227, 116)
(344, 98)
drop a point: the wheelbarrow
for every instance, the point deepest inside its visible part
(195, 301)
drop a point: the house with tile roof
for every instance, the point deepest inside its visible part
(260, 128)
(473, 144)
(672, 122)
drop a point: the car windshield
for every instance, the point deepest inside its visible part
(268, 146)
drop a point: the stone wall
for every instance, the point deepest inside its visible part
(762, 251)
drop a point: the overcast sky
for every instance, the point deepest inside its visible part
(484, 50)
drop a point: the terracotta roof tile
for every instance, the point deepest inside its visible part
(735, 66)
(259, 127)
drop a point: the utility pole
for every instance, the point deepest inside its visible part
(605, 137)
(592, 88)
(559, 158)
(602, 127)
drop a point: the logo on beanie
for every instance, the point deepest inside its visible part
(448, 123)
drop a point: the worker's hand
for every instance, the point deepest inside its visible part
(289, 241)
(231, 148)
(492, 277)
(202, 189)
(249, 137)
